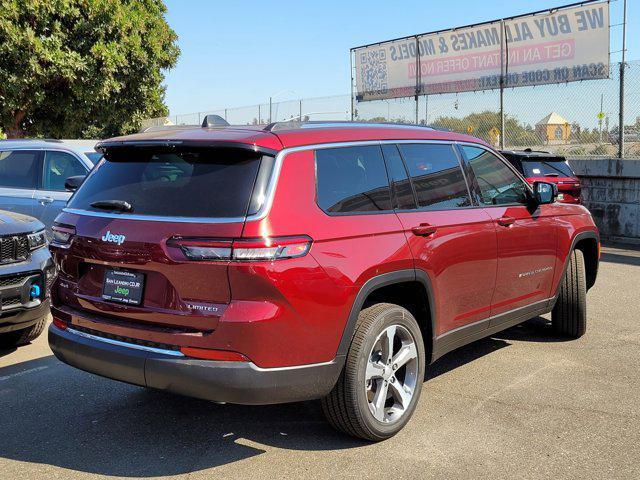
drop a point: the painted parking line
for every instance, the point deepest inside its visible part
(24, 372)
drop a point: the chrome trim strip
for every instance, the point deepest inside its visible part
(152, 218)
(293, 367)
(118, 343)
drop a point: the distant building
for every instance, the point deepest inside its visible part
(553, 129)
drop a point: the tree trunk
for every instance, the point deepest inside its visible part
(15, 130)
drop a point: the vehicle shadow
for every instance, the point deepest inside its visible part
(537, 329)
(56, 415)
(77, 421)
(6, 350)
(620, 258)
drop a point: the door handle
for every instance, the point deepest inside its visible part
(506, 221)
(45, 200)
(424, 230)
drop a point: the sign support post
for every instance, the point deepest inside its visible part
(351, 86)
(502, 50)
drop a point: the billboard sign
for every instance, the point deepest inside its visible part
(556, 46)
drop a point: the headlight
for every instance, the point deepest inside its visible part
(37, 240)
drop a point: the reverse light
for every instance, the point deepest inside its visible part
(36, 240)
(62, 235)
(242, 250)
(208, 354)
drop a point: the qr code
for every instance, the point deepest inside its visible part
(373, 71)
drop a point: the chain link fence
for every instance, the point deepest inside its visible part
(578, 119)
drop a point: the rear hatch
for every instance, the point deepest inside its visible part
(554, 170)
(125, 264)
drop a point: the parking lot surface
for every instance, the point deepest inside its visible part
(521, 404)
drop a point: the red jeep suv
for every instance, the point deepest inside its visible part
(547, 167)
(332, 261)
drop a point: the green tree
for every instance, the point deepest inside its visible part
(479, 124)
(82, 68)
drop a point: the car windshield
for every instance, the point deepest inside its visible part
(547, 168)
(186, 182)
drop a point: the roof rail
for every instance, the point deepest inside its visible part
(52, 140)
(292, 124)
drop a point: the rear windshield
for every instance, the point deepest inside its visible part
(538, 168)
(204, 182)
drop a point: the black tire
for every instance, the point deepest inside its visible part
(346, 407)
(569, 315)
(24, 336)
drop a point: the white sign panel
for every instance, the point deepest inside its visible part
(561, 46)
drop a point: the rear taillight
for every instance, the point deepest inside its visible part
(62, 235)
(242, 250)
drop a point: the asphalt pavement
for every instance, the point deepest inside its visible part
(521, 404)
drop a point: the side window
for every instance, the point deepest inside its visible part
(436, 175)
(400, 184)
(58, 166)
(19, 169)
(352, 179)
(497, 184)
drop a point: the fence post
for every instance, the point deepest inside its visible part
(622, 66)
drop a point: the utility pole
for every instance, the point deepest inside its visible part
(622, 67)
(270, 106)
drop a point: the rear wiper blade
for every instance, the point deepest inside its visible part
(119, 205)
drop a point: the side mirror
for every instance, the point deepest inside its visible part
(73, 183)
(545, 192)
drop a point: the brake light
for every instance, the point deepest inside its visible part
(242, 250)
(62, 235)
(208, 354)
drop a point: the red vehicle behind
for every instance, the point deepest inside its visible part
(538, 166)
(313, 261)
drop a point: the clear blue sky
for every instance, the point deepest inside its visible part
(239, 53)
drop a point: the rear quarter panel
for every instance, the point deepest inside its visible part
(319, 289)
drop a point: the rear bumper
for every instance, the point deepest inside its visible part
(233, 382)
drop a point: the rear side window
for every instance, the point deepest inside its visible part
(19, 169)
(400, 184)
(188, 182)
(497, 183)
(352, 179)
(436, 175)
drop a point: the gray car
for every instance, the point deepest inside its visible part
(26, 274)
(33, 174)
